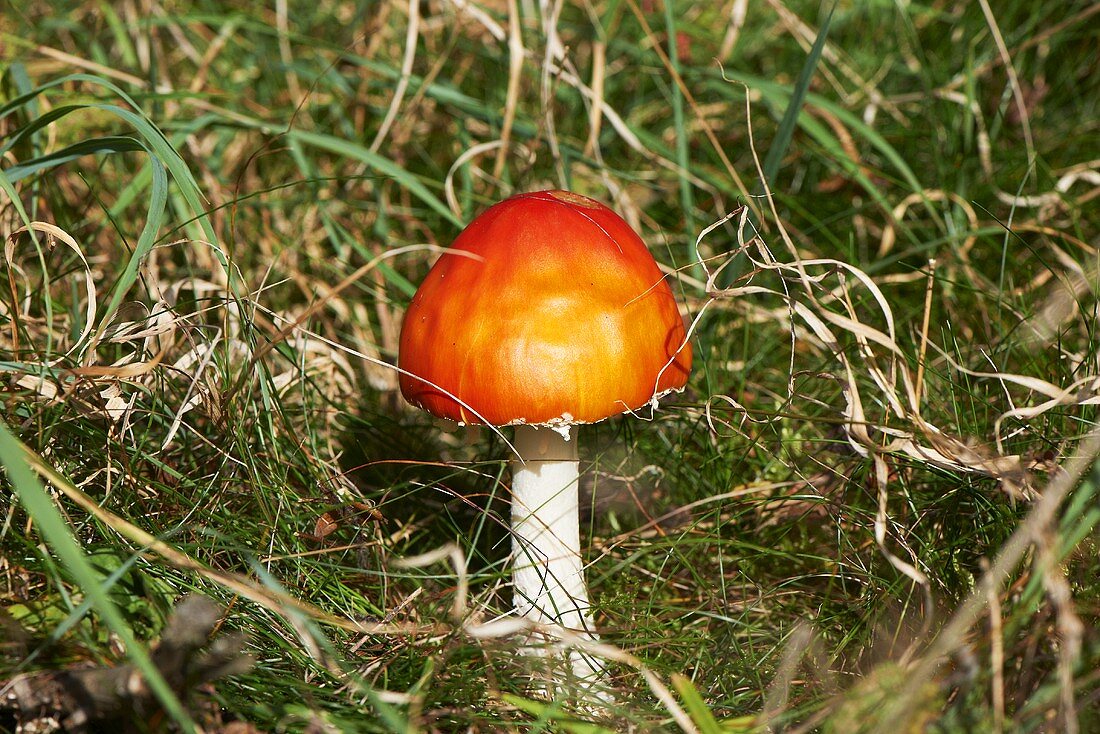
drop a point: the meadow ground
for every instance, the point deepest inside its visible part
(873, 509)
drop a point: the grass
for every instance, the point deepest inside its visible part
(875, 503)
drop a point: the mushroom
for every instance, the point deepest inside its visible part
(547, 312)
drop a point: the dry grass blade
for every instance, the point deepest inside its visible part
(516, 54)
(411, 36)
(1031, 532)
(275, 601)
(54, 234)
(1006, 59)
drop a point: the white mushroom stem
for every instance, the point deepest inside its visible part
(548, 574)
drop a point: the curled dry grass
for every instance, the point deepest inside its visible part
(205, 273)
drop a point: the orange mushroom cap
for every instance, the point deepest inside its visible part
(547, 310)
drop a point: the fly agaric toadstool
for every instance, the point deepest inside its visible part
(547, 312)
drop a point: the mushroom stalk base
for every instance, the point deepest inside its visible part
(548, 573)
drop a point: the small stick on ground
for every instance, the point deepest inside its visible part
(119, 698)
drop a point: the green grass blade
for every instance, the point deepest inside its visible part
(32, 495)
(682, 158)
(787, 125)
(379, 163)
(158, 199)
(552, 714)
(155, 139)
(112, 144)
(695, 706)
(390, 715)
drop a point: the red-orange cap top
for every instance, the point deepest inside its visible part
(547, 310)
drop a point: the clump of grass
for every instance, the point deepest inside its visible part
(875, 504)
